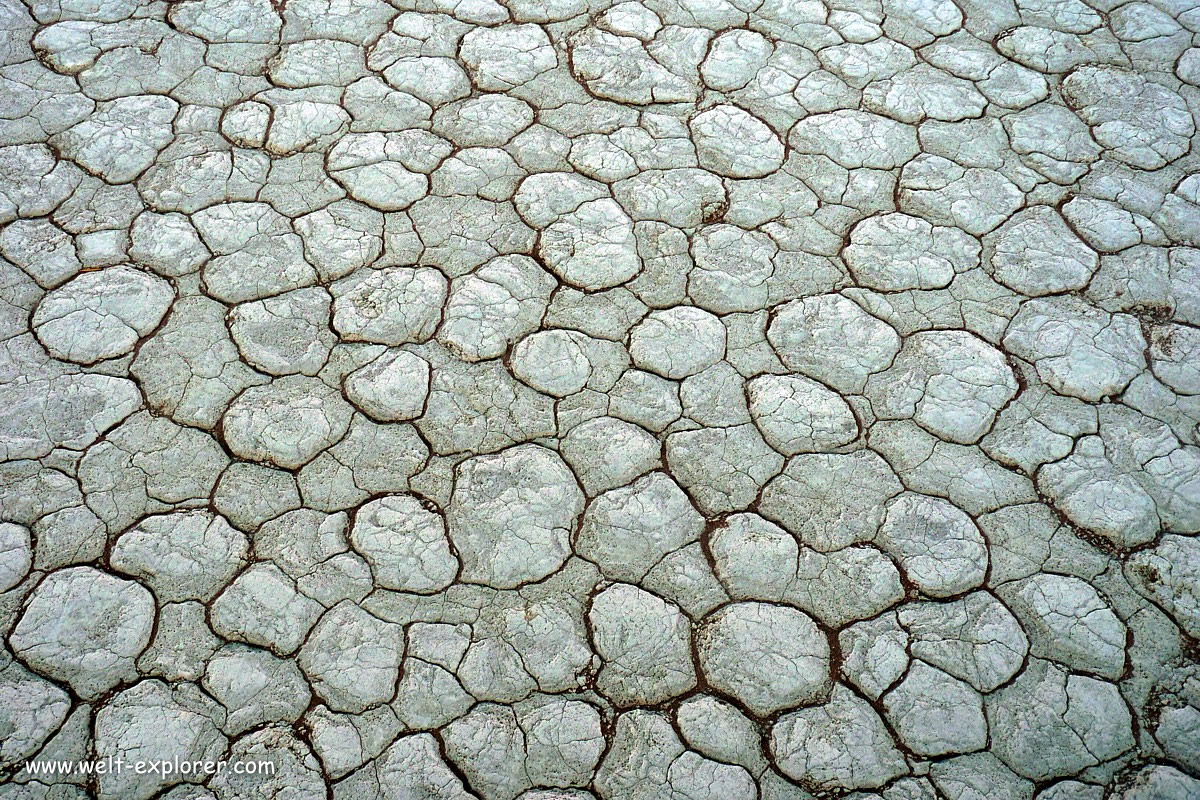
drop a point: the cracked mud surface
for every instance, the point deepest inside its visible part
(562, 400)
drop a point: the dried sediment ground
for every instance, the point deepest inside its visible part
(559, 400)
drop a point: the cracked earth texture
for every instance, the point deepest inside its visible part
(577, 400)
